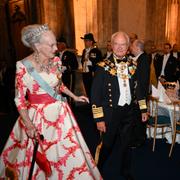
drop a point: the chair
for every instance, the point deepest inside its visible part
(176, 123)
(155, 120)
(169, 85)
(172, 89)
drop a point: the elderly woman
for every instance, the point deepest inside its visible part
(43, 111)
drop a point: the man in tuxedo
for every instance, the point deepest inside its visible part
(176, 53)
(118, 86)
(166, 65)
(139, 127)
(153, 53)
(91, 55)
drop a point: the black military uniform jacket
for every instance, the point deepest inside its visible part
(105, 88)
(95, 56)
(70, 61)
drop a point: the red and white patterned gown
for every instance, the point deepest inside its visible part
(63, 143)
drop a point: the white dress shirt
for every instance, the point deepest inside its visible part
(175, 54)
(108, 54)
(165, 59)
(136, 57)
(87, 62)
(125, 94)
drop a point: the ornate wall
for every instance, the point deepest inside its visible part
(108, 15)
(98, 17)
(132, 17)
(155, 21)
(150, 19)
(159, 22)
(59, 15)
(6, 49)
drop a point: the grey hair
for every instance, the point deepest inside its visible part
(123, 34)
(31, 34)
(139, 44)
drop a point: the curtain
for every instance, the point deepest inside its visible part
(172, 16)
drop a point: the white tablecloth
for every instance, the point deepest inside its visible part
(166, 110)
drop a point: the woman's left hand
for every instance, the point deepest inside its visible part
(81, 99)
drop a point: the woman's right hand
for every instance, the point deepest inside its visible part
(31, 130)
(81, 99)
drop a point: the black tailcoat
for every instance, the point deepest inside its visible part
(139, 127)
(69, 60)
(170, 68)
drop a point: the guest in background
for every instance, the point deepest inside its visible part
(176, 52)
(132, 37)
(118, 86)
(91, 55)
(69, 63)
(153, 56)
(166, 65)
(153, 53)
(139, 127)
(108, 50)
(44, 111)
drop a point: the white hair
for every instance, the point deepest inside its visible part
(123, 34)
(31, 34)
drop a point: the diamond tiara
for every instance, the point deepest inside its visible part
(36, 32)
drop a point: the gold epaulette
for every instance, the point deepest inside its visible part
(108, 66)
(97, 112)
(142, 104)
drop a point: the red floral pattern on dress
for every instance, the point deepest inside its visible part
(20, 88)
(35, 88)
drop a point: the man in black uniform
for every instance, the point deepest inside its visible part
(119, 84)
(69, 63)
(90, 57)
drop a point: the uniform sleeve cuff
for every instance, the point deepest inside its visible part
(97, 112)
(99, 120)
(142, 104)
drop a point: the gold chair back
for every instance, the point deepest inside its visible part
(155, 120)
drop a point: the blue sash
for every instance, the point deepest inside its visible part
(43, 84)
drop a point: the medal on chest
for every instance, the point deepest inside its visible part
(122, 72)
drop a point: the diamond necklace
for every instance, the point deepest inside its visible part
(42, 67)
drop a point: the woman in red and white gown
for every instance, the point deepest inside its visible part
(63, 143)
